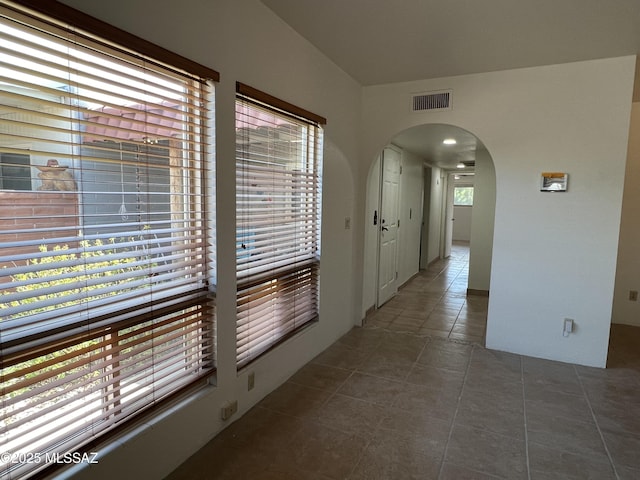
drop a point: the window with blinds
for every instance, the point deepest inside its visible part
(278, 199)
(105, 266)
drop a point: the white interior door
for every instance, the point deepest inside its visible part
(389, 225)
(448, 217)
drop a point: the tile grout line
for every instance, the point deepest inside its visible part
(369, 440)
(455, 414)
(524, 413)
(377, 427)
(429, 340)
(595, 420)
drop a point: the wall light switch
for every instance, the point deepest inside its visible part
(568, 327)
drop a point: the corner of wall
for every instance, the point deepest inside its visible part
(626, 311)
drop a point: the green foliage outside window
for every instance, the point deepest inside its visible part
(78, 269)
(92, 264)
(463, 196)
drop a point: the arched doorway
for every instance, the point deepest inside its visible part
(430, 158)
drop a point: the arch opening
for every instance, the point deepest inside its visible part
(434, 160)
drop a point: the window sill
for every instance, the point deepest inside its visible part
(121, 437)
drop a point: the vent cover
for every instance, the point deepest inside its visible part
(431, 101)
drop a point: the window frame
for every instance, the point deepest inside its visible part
(163, 323)
(7, 167)
(277, 293)
(463, 186)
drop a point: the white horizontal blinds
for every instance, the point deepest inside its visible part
(115, 207)
(103, 232)
(278, 225)
(55, 403)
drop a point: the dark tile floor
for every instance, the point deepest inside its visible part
(415, 395)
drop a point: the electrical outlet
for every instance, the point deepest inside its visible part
(228, 409)
(251, 381)
(633, 295)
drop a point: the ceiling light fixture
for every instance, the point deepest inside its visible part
(460, 165)
(449, 141)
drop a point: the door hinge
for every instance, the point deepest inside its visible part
(400, 169)
(396, 275)
(398, 223)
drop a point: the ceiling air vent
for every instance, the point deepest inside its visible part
(432, 101)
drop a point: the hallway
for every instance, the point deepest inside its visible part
(434, 303)
(415, 395)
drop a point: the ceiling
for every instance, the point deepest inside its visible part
(383, 41)
(427, 142)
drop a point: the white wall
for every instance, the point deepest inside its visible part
(628, 272)
(410, 216)
(482, 223)
(426, 210)
(549, 262)
(435, 214)
(244, 41)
